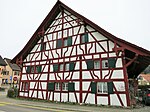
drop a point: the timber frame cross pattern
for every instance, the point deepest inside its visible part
(71, 59)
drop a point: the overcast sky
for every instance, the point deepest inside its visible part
(126, 19)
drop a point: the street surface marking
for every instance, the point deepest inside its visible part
(2, 105)
(35, 107)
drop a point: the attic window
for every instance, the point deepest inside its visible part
(68, 41)
(84, 38)
(59, 43)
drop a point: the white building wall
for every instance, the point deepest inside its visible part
(100, 52)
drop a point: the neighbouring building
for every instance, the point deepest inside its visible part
(2, 68)
(71, 59)
(144, 79)
(12, 73)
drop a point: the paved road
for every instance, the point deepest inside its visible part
(13, 105)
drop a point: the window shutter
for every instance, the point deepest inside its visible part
(28, 69)
(71, 87)
(90, 64)
(39, 69)
(111, 62)
(86, 37)
(71, 66)
(69, 41)
(55, 67)
(110, 87)
(51, 86)
(93, 87)
(59, 43)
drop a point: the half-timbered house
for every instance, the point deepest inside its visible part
(71, 59)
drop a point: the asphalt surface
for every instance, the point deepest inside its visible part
(14, 105)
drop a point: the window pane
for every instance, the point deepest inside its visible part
(99, 87)
(102, 87)
(105, 87)
(67, 67)
(96, 64)
(61, 67)
(104, 63)
(65, 42)
(59, 44)
(64, 86)
(32, 69)
(57, 86)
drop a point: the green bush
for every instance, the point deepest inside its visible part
(12, 92)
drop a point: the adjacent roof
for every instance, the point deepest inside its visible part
(145, 54)
(146, 77)
(2, 62)
(13, 66)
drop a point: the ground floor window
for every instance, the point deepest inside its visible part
(102, 87)
(25, 86)
(65, 86)
(57, 86)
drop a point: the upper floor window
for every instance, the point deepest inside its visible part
(43, 46)
(109, 63)
(96, 64)
(34, 69)
(65, 42)
(61, 67)
(4, 72)
(64, 67)
(104, 63)
(84, 38)
(67, 67)
(91, 64)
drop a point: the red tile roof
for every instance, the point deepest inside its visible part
(146, 77)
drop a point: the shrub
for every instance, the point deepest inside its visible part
(12, 92)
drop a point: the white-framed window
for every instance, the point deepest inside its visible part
(96, 64)
(102, 87)
(65, 42)
(57, 86)
(61, 67)
(65, 86)
(104, 63)
(67, 67)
